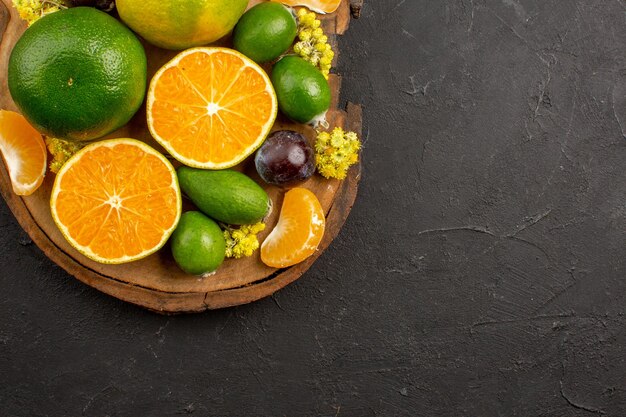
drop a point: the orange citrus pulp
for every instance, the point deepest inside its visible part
(299, 230)
(24, 152)
(319, 6)
(211, 107)
(116, 201)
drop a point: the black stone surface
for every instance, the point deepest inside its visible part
(481, 272)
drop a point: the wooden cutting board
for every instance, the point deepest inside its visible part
(155, 282)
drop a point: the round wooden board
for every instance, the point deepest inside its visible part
(156, 282)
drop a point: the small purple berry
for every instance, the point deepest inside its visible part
(286, 158)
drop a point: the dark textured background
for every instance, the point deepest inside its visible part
(481, 272)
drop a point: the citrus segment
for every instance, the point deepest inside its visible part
(319, 6)
(24, 152)
(116, 201)
(211, 107)
(299, 230)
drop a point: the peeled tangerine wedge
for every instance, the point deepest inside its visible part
(319, 6)
(299, 230)
(211, 107)
(116, 201)
(24, 152)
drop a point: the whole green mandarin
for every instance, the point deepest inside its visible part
(302, 91)
(265, 32)
(77, 74)
(198, 244)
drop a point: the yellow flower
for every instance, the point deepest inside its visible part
(312, 43)
(243, 241)
(32, 10)
(335, 152)
(61, 150)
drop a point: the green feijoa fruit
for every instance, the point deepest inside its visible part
(302, 91)
(265, 32)
(198, 244)
(226, 196)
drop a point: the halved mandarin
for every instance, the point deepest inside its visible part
(211, 107)
(299, 230)
(116, 201)
(319, 6)
(24, 152)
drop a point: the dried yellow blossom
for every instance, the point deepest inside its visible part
(336, 152)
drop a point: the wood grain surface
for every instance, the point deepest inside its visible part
(156, 282)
